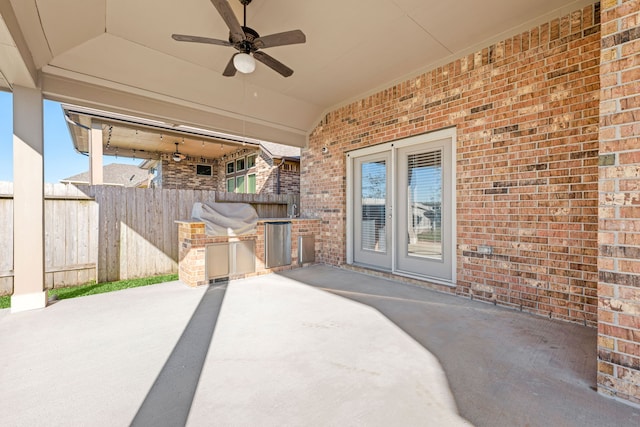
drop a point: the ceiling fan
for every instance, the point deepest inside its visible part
(247, 42)
(177, 156)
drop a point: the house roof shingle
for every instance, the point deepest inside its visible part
(114, 174)
(279, 151)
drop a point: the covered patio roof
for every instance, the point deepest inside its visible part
(134, 137)
(129, 136)
(118, 55)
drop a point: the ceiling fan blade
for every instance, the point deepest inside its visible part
(230, 69)
(197, 39)
(230, 19)
(280, 39)
(273, 63)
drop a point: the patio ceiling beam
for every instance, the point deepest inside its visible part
(166, 109)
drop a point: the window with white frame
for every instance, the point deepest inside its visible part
(251, 161)
(241, 174)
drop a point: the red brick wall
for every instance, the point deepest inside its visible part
(268, 175)
(619, 237)
(182, 175)
(290, 178)
(526, 112)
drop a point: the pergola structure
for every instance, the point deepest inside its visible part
(119, 56)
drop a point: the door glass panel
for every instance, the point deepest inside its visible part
(374, 196)
(424, 205)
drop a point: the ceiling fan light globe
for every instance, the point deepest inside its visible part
(176, 158)
(244, 63)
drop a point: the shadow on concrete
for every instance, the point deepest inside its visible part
(505, 368)
(169, 400)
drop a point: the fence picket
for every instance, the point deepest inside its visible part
(111, 233)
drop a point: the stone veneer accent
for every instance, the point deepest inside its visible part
(619, 229)
(526, 116)
(193, 240)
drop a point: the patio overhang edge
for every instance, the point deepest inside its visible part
(140, 103)
(19, 67)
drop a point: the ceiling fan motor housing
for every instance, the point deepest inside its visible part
(246, 45)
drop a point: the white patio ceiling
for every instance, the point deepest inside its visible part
(118, 55)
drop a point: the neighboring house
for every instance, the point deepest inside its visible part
(267, 168)
(116, 174)
(186, 158)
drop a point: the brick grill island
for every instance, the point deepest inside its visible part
(193, 242)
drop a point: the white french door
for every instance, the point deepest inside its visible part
(402, 206)
(372, 231)
(425, 210)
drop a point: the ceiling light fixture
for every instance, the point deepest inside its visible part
(177, 156)
(244, 63)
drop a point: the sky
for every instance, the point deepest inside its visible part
(60, 159)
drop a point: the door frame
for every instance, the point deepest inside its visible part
(393, 146)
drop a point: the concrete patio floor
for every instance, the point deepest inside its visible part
(314, 346)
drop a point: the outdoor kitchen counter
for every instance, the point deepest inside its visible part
(193, 240)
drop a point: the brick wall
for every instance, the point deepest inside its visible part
(193, 241)
(290, 179)
(526, 113)
(619, 237)
(266, 174)
(182, 175)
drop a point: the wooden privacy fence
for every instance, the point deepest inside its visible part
(108, 233)
(71, 236)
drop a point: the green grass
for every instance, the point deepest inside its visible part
(93, 288)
